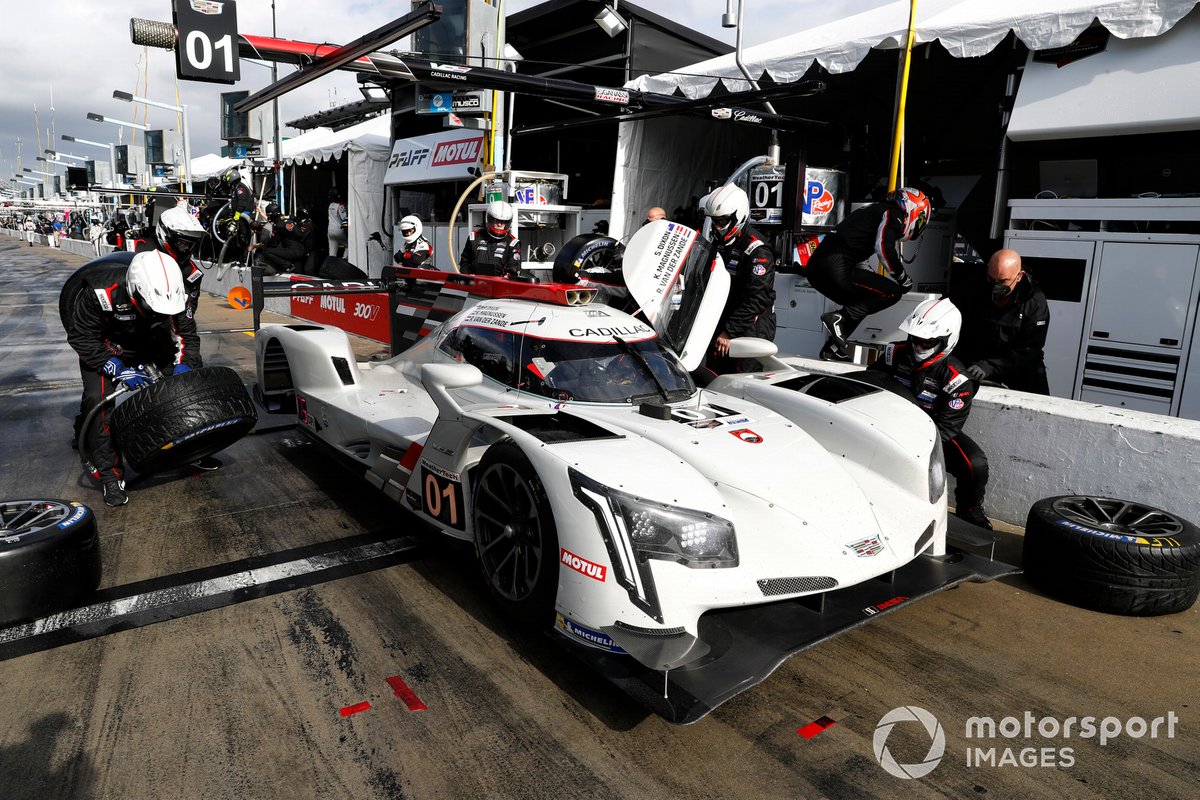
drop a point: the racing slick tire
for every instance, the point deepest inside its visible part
(49, 557)
(582, 253)
(516, 541)
(182, 418)
(1114, 556)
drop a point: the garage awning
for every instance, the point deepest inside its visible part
(964, 28)
(1134, 86)
(321, 144)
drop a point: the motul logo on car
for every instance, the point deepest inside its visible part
(461, 151)
(582, 565)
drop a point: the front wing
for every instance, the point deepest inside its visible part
(749, 643)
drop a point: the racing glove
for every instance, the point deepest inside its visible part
(133, 378)
(904, 281)
(981, 371)
(181, 368)
(113, 367)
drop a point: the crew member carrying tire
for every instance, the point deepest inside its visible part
(126, 316)
(938, 383)
(493, 249)
(833, 269)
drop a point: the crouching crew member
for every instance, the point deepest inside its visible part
(126, 316)
(938, 383)
(492, 248)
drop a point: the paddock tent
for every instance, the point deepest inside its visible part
(367, 146)
(651, 155)
(212, 165)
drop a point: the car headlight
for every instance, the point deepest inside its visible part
(696, 539)
(937, 471)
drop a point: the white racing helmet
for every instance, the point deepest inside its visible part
(932, 329)
(411, 228)
(179, 231)
(729, 209)
(499, 218)
(156, 284)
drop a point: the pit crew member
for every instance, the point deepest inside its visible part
(492, 248)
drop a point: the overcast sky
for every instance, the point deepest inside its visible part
(65, 57)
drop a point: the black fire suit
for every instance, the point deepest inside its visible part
(414, 254)
(944, 391)
(485, 255)
(833, 271)
(750, 307)
(106, 323)
(1006, 342)
(282, 245)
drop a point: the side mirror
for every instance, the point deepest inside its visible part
(751, 347)
(438, 379)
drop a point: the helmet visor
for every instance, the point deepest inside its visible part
(408, 230)
(723, 223)
(498, 227)
(924, 348)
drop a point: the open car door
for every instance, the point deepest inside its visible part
(680, 285)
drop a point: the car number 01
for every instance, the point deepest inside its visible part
(443, 498)
(200, 50)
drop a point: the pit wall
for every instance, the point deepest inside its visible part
(1044, 446)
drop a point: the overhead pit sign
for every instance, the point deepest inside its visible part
(208, 41)
(442, 156)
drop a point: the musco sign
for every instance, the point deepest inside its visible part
(442, 156)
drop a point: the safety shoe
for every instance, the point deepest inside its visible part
(207, 464)
(832, 352)
(831, 321)
(114, 492)
(973, 515)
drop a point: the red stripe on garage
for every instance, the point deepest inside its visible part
(406, 694)
(816, 726)
(354, 709)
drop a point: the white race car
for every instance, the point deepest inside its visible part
(607, 495)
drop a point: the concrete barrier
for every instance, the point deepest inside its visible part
(1043, 446)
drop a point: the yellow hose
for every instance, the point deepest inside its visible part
(454, 215)
(899, 134)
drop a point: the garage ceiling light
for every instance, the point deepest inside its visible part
(610, 21)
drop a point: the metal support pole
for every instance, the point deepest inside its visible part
(187, 150)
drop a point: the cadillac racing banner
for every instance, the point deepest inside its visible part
(442, 156)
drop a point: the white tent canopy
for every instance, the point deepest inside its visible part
(652, 154)
(964, 28)
(322, 144)
(206, 166)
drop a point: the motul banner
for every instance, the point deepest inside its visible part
(436, 157)
(362, 314)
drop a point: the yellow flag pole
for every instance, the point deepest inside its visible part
(899, 134)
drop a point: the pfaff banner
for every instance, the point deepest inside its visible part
(436, 157)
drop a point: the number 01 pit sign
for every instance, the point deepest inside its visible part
(207, 49)
(766, 195)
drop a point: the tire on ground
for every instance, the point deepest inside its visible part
(1112, 556)
(49, 558)
(182, 418)
(508, 491)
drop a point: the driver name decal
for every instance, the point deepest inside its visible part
(597, 572)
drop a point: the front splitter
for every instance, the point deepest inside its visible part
(749, 643)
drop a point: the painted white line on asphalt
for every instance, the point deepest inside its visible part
(126, 606)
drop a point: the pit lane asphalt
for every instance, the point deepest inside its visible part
(240, 697)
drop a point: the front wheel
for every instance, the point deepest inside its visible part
(516, 541)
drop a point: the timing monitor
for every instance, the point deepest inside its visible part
(77, 178)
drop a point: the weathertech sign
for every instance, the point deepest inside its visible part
(437, 157)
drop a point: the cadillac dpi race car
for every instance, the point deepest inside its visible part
(686, 539)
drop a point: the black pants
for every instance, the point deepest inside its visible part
(95, 444)
(860, 292)
(282, 257)
(968, 464)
